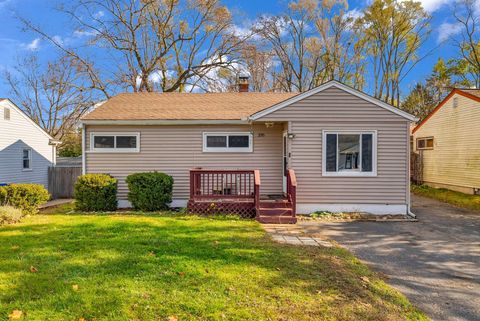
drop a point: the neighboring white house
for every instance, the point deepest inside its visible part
(26, 150)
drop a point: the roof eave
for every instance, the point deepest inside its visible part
(242, 121)
(332, 83)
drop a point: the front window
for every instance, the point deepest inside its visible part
(425, 143)
(115, 142)
(349, 154)
(227, 142)
(27, 159)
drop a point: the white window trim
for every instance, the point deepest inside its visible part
(114, 150)
(353, 173)
(248, 149)
(29, 160)
(425, 139)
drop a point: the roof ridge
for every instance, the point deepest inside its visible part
(206, 93)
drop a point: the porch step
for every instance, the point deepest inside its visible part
(277, 219)
(275, 204)
(278, 211)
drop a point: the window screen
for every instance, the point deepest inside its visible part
(367, 152)
(126, 141)
(331, 153)
(27, 158)
(216, 141)
(238, 141)
(104, 141)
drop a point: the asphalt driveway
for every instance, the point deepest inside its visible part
(435, 262)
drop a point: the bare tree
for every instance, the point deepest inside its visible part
(155, 44)
(292, 40)
(468, 16)
(394, 32)
(340, 53)
(55, 97)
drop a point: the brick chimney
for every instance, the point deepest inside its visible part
(243, 83)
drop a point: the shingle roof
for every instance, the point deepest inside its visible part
(185, 106)
(474, 92)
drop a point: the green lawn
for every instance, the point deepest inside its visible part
(169, 267)
(471, 202)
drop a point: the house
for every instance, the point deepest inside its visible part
(331, 148)
(449, 144)
(26, 150)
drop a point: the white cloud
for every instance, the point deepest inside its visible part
(354, 13)
(447, 30)
(34, 45)
(82, 33)
(58, 39)
(98, 14)
(433, 5)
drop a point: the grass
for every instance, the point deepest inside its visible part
(467, 201)
(169, 266)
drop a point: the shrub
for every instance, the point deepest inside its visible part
(26, 197)
(96, 192)
(150, 191)
(9, 214)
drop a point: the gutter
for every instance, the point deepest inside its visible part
(243, 121)
(84, 165)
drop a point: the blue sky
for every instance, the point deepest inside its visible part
(14, 42)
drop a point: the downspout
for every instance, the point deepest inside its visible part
(84, 165)
(409, 212)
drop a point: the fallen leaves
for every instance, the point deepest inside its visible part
(75, 287)
(172, 318)
(182, 274)
(33, 269)
(15, 315)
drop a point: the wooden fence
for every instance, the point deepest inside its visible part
(61, 181)
(416, 167)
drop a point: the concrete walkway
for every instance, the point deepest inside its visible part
(435, 262)
(56, 202)
(294, 234)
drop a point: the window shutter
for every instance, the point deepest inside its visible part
(331, 149)
(367, 152)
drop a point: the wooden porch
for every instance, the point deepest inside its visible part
(239, 192)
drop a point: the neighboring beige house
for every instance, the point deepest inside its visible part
(448, 139)
(331, 148)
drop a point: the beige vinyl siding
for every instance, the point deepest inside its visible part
(334, 109)
(177, 149)
(454, 161)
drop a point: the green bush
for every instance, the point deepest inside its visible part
(9, 215)
(150, 191)
(96, 192)
(26, 197)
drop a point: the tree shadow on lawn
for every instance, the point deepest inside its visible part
(194, 268)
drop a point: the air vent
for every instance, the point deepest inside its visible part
(455, 102)
(6, 113)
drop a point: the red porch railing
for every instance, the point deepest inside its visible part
(292, 190)
(222, 184)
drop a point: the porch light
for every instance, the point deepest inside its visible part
(269, 124)
(291, 135)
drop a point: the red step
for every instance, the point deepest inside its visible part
(277, 219)
(275, 204)
(279, 211)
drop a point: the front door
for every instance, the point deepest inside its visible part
(284, 161)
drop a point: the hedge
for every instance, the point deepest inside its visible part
(9, 215)
(26, 197)
(95, 193)
(150, 191)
